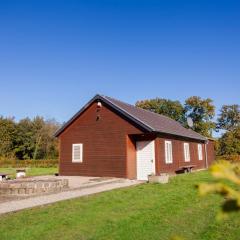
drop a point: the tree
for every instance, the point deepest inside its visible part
(202, 112)
(229, 117)
(45, 144)
(25, 140)
(7, 136)
(229, 143)
(172, 109)
(35, 140)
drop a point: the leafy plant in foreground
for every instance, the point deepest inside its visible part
(227, 185)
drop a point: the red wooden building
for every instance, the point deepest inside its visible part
(111, 138)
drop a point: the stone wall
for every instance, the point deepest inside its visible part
(25, 187)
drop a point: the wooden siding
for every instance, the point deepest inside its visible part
(211, 152)
(131, 158)
(105, 146)
(178, 154)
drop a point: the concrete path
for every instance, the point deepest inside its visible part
(31, 202)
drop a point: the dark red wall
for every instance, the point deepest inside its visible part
(178, 154)
(104, 145)
(211, 152)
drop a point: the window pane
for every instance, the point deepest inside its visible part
(77, 152)
(200, 157)
(168, 151)
(186, 152)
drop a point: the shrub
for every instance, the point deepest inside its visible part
(231, 158)
(15, 163)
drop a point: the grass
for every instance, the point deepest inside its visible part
(34, 171)
(147, 211)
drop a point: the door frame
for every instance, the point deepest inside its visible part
(153, 156)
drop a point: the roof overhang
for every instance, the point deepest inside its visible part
(133, 119)
(203, 139)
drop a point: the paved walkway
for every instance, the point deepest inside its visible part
(31, 202)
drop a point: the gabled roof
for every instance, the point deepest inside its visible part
(150, 121)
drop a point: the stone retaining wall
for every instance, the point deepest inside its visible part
(32, 187)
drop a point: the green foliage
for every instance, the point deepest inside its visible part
(172, 109)
(202, 112)
(25, 140)
(229, 117)
(7, 136)
(229, 120)
(230, 158)
(229, 143)
(28, 139)
(229, 189)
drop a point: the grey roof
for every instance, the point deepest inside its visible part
(150, 121)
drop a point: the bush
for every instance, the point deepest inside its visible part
(231, 158)
(15, 163)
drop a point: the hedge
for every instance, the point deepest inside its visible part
(45, 163)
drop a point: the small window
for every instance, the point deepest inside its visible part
(186, 152)
(77, 153)
(200, 155)
(168, 152)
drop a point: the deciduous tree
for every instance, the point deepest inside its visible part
(7, 136)
(28, 139)
(25, 143)
(229, 117)
(229, 143)
(202, 112)
(172, 109)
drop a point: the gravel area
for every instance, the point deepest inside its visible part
(108, 184)
(10, 198)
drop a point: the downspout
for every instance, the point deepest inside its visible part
(206, 155)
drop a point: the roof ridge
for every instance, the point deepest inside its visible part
(148, 120)
(142, 109)
(159, 116)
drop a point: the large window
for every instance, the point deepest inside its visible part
(77, 153)
(200, 155)
(186, 152)
(168, 152)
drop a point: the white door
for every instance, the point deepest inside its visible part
(145, 159)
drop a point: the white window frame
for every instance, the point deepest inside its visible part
(186, 150)
(168, 152)
(80, 159)
(200, 152)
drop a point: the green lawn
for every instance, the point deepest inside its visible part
(31, 171)
(148, 211)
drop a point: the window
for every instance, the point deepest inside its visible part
(168, 152)
(77, 153)
(186, 152)
(200, 156)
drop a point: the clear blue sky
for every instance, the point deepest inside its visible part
(55, 55)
